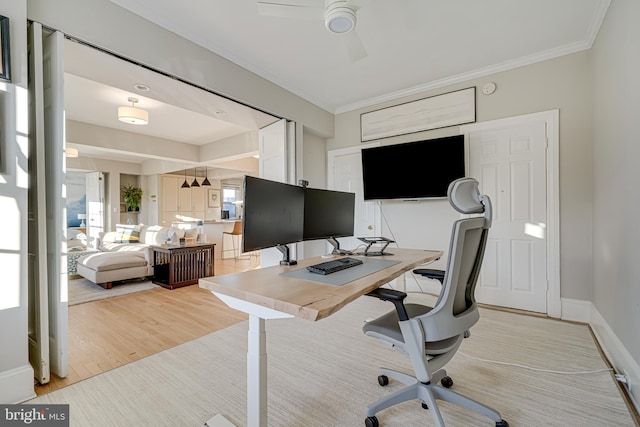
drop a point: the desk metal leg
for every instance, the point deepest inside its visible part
(257, 373)
(256, 358)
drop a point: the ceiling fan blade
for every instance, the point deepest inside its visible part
(354, 46)
(290, 10)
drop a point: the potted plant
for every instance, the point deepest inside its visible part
(132, 196)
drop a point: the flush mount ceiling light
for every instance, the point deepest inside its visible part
(70, 152)
(133, 115)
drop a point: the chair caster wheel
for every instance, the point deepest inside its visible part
(446, 382)
(383, 380)
(502, 423)
(371, 422)
(425, 406)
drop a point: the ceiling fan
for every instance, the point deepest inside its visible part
(340, 17)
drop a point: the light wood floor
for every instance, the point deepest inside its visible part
(110, 333)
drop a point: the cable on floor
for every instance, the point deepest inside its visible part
(517, 365)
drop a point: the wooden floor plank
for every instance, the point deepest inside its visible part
(110, 333)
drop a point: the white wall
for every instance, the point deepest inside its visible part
(562, 83)
(615, 63)
(112, 170)
(16, 375)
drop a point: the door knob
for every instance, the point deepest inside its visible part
(370, 227)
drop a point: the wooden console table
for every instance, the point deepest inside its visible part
(181, 265)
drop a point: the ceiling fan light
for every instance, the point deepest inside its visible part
(340, 19)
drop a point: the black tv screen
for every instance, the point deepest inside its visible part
(328, 214)
(273, 214)
(414, 170)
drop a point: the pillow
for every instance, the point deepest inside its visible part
(127, 235)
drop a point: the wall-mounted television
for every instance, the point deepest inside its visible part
(413, 170)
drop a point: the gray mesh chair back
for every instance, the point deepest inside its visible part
(430, 336)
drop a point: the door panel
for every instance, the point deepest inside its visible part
(274, 158)
(38, 286)
(345, 174)
(510, 164)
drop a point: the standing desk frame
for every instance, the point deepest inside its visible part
(266, 294)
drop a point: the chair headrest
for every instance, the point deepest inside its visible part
(464, 196)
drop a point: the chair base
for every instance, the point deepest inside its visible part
(427, 394)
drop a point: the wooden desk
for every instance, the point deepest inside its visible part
(265, 294)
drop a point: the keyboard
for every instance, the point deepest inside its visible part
(334, 265)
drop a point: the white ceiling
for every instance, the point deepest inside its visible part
(97, 83)
(412, 45)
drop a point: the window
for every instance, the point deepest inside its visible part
(231, 201)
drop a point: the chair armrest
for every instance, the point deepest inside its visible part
(396, 297)
(431, 274)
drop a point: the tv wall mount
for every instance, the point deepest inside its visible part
(375, 251)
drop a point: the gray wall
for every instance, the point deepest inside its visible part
(616, 151)
(561, 83)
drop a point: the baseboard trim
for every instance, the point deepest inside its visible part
(613, 348)
(16, 385)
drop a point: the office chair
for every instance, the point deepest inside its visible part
(430, 337)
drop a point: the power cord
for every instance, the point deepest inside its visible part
(517, 365)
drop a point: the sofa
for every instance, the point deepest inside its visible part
(126, 253)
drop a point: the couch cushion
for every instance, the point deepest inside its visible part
(123, 247)
(127, 234)
(106, 261)
(158, 235)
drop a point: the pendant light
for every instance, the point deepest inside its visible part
(206, 178)
(195, 176)
(185, 184)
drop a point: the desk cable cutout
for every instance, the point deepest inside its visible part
(517, 365)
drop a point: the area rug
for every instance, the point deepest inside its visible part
(83, 290)
(325, 374)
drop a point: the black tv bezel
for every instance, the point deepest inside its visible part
(392, 152)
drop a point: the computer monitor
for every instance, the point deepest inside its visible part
(328, 215)
(273, 215)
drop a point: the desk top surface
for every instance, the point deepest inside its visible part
(305, 299)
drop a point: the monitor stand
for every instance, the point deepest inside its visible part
(286, 258)
(336, 247)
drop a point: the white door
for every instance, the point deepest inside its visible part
(509, 160)
(274, 164)
(38, 286)
(96, 218)
(345, 174)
